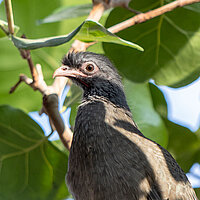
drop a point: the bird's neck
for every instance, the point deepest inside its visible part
(117, 98)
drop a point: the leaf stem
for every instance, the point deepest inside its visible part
(9, 13)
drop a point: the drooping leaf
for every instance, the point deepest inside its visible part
(140, 101)
(67, 13)
(30, 166)
(171, 44)
(22, 43)
(4, 27)
(88, 31)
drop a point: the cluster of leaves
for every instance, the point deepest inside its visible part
(31, 167)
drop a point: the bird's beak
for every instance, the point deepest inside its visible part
(68, 72)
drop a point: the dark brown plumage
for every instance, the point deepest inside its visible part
(109, 157)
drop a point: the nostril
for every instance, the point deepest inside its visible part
(64, 68)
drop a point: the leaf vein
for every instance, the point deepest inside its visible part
(10, 144)
(46, 160)
(17, 133)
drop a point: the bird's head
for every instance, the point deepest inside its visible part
(95, 74)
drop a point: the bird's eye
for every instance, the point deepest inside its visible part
(89, 67)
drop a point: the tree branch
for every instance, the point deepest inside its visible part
(140, 18)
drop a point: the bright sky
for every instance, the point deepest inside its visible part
(184, 104)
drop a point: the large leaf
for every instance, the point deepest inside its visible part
(30, 166)
(171, 44)
(141, 104)
(4, 27)
(88, 31)
(67, 13)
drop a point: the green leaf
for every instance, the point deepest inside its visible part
(140, 101)
(88, 31)
(30, 166)
(197, 190)
(73, 113)
(183, 144)
(22, 43)
(58, 144)
(73, 96)
(4, 29)
(159, 102)
(73, 100)
(67, 13)
(171, 44)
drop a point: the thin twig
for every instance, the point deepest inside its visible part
(9, 14)
(16, 85)
(27, 55)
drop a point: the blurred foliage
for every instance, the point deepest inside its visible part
(171, 57)
(4, 29)
(67, 12)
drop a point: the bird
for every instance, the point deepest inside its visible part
(110, 159)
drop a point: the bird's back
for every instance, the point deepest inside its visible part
(111, 159)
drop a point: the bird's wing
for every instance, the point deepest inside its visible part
(134, 164)
(152, 162)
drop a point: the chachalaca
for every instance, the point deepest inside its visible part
(110, 159)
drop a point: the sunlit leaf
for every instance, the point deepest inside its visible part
(66, 13)
(88, 31)
(30, 166)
